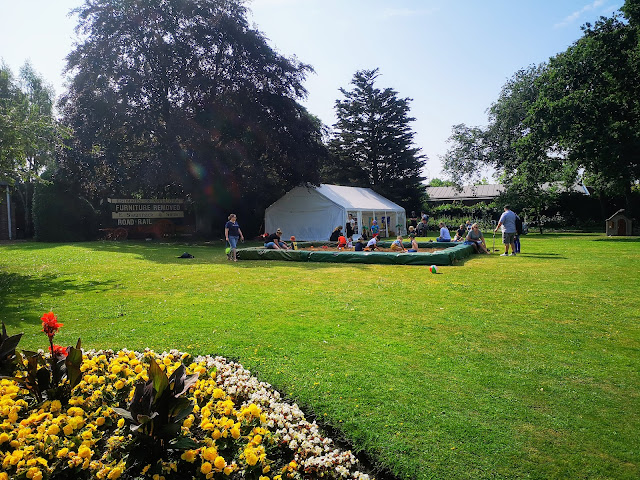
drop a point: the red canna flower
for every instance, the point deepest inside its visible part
(58, 350)
(50, 324)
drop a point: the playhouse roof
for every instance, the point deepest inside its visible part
(618, 213)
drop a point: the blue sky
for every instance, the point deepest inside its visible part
(450, 57)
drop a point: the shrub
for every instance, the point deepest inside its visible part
(61, 216)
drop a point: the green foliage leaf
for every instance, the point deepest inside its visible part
(123, 413)
(73, 363)
(180, 409)
(158, 378)
(183, 443)
(8, 346)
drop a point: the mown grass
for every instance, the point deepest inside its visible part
(525, 367)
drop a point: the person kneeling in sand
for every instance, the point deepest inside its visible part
(397, 245)
(372, 244)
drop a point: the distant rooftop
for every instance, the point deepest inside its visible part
(482, 192)
(473, 192)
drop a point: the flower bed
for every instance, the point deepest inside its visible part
(227, 424)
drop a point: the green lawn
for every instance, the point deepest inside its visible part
(519, 367)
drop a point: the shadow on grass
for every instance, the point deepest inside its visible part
(163, 252)
(18, 291)
(168, 252)
(617, 239)
(550, 256)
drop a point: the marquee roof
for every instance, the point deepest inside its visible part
(357, 198)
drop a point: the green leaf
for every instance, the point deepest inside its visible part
(181, 409)
(183, 443)
(123, 413)
(73, 362)
(170, 430)
(8, 346)
(159, 379)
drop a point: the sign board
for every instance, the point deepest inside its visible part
(129, 212)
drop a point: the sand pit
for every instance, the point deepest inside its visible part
(431, 253)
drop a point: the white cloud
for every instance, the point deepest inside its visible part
(575, 16)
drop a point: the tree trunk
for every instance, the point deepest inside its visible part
(628, 202)
(204, 219)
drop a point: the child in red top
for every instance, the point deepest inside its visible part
(342, 241)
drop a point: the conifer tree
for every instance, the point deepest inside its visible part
(373, 143)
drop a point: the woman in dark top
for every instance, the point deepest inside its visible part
(273, 241)
(232, 233)
(336, 234)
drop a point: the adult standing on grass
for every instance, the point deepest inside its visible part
(351, 226)
(232, 233)
(508, 224)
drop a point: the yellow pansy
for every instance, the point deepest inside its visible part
(189, 455)
(84, 452)
(220, 463)
(210, 453)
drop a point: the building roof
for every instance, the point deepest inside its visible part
(357, 198)
(473, 192)
(486, 192)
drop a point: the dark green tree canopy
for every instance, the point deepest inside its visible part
(589, 104)
(183, 97)
(372, 144)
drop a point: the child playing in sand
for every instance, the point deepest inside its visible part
(397, 245)
(373, 243)
(414, 245)
(350, 242)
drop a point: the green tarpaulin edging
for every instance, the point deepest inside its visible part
(451, 253)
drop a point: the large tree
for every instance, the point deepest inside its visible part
(182, 97)
(373, 143)
(580, 112)
(589, 103)
(29, 133)
(525, 164)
